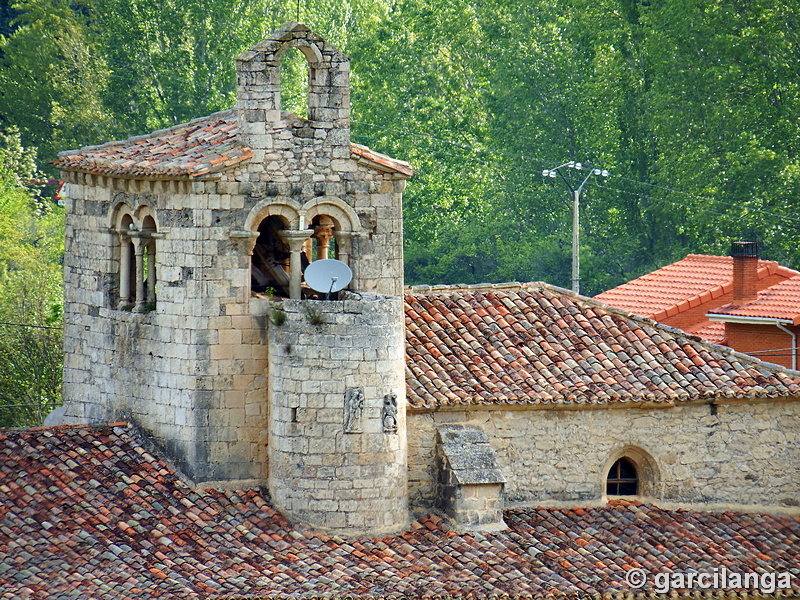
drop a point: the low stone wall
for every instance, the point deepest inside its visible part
(735, 454)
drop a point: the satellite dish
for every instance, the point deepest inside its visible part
(328, 275)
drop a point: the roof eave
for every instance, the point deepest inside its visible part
(143, 176)
(726, 318)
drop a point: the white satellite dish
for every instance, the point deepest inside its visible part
(328, 275)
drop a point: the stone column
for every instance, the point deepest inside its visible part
(247, 237)
(138, 249)
(323, 234)
(295, 241)
(344, 245)
(151, 272)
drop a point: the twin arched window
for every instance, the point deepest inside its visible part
(271, 259)
(136, 252)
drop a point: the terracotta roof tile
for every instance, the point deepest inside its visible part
(664, 291)
(710, 331)
(199, 148)
(781, 301)
(538, 344)
(89, 513)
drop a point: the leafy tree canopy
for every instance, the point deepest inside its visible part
(31, 250)
(691, 104)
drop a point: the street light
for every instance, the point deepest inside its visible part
(576, 200)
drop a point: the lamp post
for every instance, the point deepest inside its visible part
(576, 201)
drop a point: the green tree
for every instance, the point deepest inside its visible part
(172, 61)
(31, 250)
(691, 104)
(724, 103)
(53, 77)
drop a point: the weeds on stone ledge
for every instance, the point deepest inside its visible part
(277, 315)
(313, 314)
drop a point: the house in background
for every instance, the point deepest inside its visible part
(741, 301)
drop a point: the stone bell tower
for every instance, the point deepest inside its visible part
(337, 444)
(187, 314)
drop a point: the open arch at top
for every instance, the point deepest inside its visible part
(309, 50)
(295, 74)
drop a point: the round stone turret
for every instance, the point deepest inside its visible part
(337, 449)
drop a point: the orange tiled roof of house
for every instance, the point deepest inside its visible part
(90, 513)
(710, 331)
(538, 344)
(691, 282)
(199, 148)
(781, 301)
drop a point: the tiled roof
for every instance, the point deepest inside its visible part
(697, 279)
(199, 148)
(781, 301)
(709, 331)
(88, 513)
(379, 160)
(536, 344)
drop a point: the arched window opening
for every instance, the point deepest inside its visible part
(269, 272)
(294, 82)
(623, 479)
(136, 254)
(127, 264)
(148, 295)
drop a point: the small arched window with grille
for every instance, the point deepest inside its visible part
(622, 479)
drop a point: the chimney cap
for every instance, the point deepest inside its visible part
(745, 249)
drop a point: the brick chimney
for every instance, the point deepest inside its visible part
(745, 272)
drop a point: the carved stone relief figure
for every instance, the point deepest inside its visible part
(353, 406)
(389, 413)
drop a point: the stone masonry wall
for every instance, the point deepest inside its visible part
(337, 456)
(746, 454)
(192, 371)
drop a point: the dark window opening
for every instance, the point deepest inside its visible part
(623, 479)
(149, 263)
(269, 273)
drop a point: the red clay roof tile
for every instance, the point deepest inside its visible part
(199, 148)
(682, 281)
(81, 531)
(560, 348)
(781, 301)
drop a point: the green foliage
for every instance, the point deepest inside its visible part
(54, 77)
(691, 104)
(277, 315)
(177, 59)
(31, 249)
(314, 315)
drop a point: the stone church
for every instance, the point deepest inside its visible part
(187, 316)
